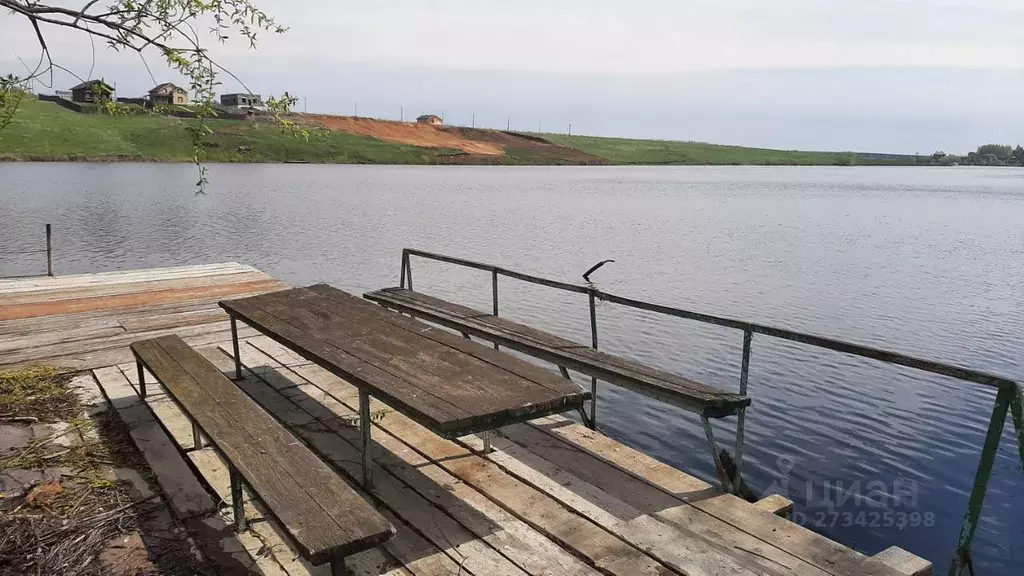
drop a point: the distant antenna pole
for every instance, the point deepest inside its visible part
(355, 106)
(570, 129)
(474, 120)
(402, 113)
(508, 124)
(305, 108)
(538, 127)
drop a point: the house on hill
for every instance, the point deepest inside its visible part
(167, 93)
(431, 119)
(92, 91)
(241, 100)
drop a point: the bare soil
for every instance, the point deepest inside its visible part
(416, 134)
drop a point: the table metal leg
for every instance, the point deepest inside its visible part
(723, 476)
(234, 347)
(236, 498)
(142, 379)
(338, 567)
(365, 426)
(197, 436)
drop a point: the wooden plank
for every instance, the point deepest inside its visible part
(123, 289)
(117, 341)
(443, 531)
(8, 312)
(418, 368)
(477, 385)
(670, 388)
(675, 533)
(10, 344)
(89, 359)
(325, 516)
(174, 320)
(484, 354)
(109, 318)
(524, 546)
(594, 545)
(904, 562)
(796, 540)
(427, 406)
(11, 286)
(186, 496)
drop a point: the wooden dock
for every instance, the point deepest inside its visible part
(554, 498)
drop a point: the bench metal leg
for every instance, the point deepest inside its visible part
(236, 498)
(197, 436)
(488, 438)
(234, 347)
(338, 567)
(365, 426)
(142, 379)
(465, 335)
(723, 477)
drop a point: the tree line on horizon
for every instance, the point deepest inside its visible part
(985, 155)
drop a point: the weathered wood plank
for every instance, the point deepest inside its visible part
(70, 333)
(524, 546)
(10, 286)
(451, 393)
(186, 496)
(124, 289)
(671, 388)
(673, 532)
(595, 546)
(8, 312)
(325, 516)
(122, 339)
(796, 540)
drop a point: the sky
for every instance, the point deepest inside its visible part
(903, 76)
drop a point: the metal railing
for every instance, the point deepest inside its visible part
(48, 250)
(1009, 398)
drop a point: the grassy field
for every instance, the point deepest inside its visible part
(45, 131)
(628, 151)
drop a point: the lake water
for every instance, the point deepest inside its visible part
(926, 261)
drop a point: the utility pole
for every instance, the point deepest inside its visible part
(570, 129)
(355, 105)
(538, 127)
(402, 108)
(508, 124)
(305, 108)
(474, 120)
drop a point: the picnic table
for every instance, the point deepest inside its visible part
(448, 384)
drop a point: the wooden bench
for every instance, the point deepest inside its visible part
(325, 517)
(707, 401)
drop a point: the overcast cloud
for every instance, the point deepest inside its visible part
(896, 76)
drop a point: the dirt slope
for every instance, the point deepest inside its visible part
(405, 133)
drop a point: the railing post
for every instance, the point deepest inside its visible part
(741, 418)
(977, 499)
(593, 379)
(405, 264)
(49, 251)
(408, 272)
(494, 293)
(1017, 409)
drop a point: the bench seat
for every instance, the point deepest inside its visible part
(664, 386)
(327, 519)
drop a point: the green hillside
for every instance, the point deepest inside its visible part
(46, 131)
(629, 151)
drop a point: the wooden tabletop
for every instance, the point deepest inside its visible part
(447, 383)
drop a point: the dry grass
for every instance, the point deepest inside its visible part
(37, 394)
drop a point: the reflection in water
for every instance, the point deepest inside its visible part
(925, 261)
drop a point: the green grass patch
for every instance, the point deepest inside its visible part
(46, 131)
(629, 151)
(37, 392)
